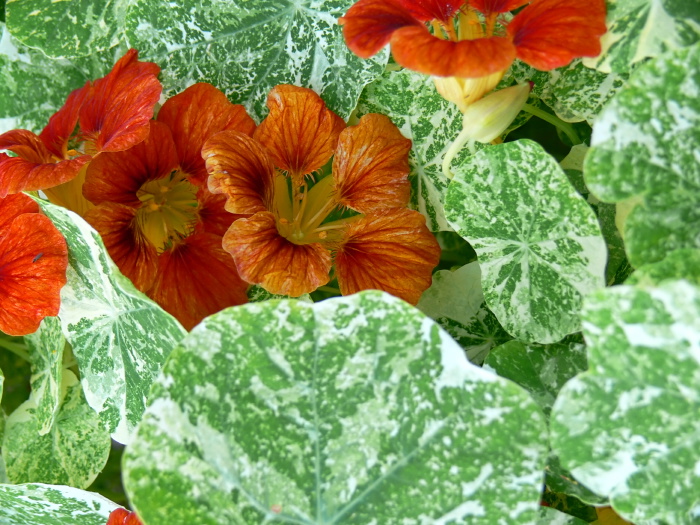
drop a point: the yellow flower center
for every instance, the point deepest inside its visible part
(169, 209)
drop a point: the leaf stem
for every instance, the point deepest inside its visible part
(555, 121)
(18, 349)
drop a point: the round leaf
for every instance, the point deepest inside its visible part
(679, 264)
(354, 410)
(539, 244)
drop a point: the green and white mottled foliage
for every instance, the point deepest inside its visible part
(456, 302)
(645, 155)
(639, 29)
(678, 264)
(628, 428)
(247, 48)
(539, 244)
(549, 516)
(72, 452)
(120, 338)
(353, 410)
(37, 504)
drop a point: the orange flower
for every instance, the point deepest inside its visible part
(33, 262)
(123, 517)
(112, 114)
(159, 222)
(470, 40)
(299, 218)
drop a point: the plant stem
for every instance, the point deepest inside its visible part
(16, 348)
(555, 121)
(328, 289)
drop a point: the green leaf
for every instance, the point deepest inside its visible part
(638, 29)
(36, 504)
(679, 264)
(67, 29)
(45, 348)
(354, 410)
(257, 294)
(628, 428)
(571, 496)
(549, 516)
(120, 338)
(456, 302)
(644, 155)
(72, 453)
(538, 242)
(430, 121)
(245, 49)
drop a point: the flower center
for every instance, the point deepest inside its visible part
(169, 209)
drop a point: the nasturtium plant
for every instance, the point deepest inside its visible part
(627, 428)
(644, 156)
(264, 414)
(539, 244)
(678, 264)
(120, 338)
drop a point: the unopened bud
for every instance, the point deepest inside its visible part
(489, 117)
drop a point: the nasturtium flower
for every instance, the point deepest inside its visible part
(123, 517)
(33, 263)
(111, 114)
(472, 42)
(299, 219)
(161, 225)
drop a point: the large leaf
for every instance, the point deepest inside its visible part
(431, 122)
(353, 410)
(628, 428)
(550, 516)
(456, 302)
(120, 338)
(67, 29)
(37, 504)
(638, 29)
(645, 156)
(72, 453)
(538, 242)
(247, 48)
(679, 264)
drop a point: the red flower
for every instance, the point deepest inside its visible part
(33, 262)
(296, 222)
(159, 222)
(112, 114)
(123, 517)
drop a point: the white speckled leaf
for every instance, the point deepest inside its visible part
(45, 348)
(72, 453)
(411, 101)
(247, 48)
(638, 29)
(679, 264)
(549, 516)
(646, 151)
(67, 29)
(353, 410)
(539, 244)
(36, 504)
(628, 428)
(120, 338)
(456, 302)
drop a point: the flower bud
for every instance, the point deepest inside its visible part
(489, 117)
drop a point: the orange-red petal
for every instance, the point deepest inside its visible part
(369, 24)
(300, 132)
(62, 123)
(370, 166)
(497, 6)
(212, 212)
(417, 49)
(116, 113)
(123, 517)
(425, 10)
(392, 251)
(133, 254)
(195, 115)
(13, 206)
(240, 168)
(197, 278)
(551, 33)
(18, 174)
(116, 177)
(33, 262)
(266, 258)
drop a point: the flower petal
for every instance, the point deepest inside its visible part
(241, 169)
(115, 116)
(497, 6)
(18, 174)
(195, 115)
(133, 254)
(391, 251)
(212, 212)
(33, 262)
(62, 124)
(12, 206)
(300, 132)
(266, 258)
(370, 166)
(551, 33)
(116, 177)
(197, 278)
(369, 24)
(417, 49)
(425, 10)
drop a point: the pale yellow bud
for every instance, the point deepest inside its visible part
(466, 91)
(489, 117)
